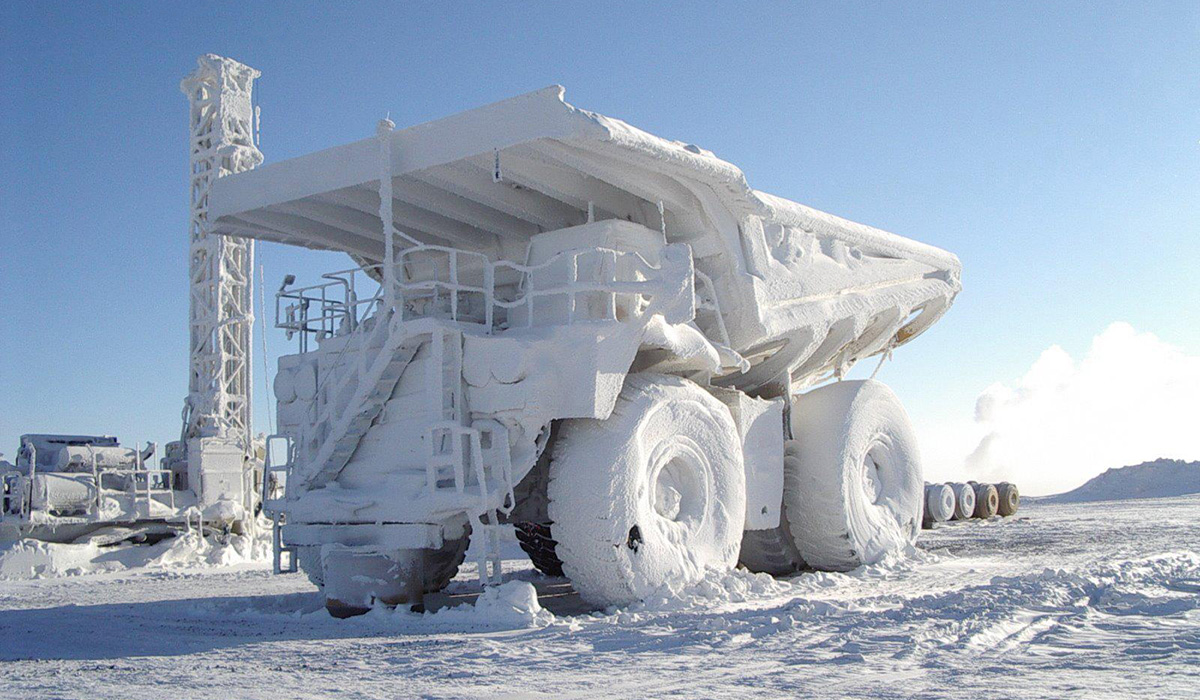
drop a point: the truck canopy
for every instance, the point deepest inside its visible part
(490, 178)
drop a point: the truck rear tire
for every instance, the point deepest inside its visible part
(653, 496)
(773, 551)
(538, 542)
(858, 490)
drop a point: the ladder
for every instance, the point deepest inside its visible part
(369, 383)
(448, 436)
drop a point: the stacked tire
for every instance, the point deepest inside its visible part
(964, 501)
(1010, 498)
(987, 500)
(939, 504)
(958, 501)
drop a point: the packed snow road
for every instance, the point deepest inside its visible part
(1083, 600)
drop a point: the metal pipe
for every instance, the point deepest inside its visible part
(383, 130)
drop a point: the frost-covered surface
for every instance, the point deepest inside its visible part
(1162, 478)
(1061, 601)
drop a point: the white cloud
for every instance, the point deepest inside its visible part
(1130, 399)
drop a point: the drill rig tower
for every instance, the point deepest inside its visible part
(67, 487)
(216, 446)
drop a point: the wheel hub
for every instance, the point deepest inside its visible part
(680, 489)
(874, 462)
(668, 499)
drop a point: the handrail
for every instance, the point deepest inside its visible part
(345, 313)
(332, 312)
(13, 487)
(270, 483)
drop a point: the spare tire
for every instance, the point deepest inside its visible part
(857, 492)
(654, 495)
(987, 501)
(939, 503)
(1010, 498)
(964, 501)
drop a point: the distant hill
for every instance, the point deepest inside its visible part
(1161, 478)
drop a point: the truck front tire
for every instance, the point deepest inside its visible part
(653, 496)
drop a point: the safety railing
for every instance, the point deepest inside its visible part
(481, 448)
(139, 481)
(589, 284)
(279, 458)
(280, 455)
(142, 484)
(582, 285)
(323, 310)
(14, 495)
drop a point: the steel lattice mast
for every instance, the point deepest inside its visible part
(221, 267)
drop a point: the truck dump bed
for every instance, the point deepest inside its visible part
(791, 288)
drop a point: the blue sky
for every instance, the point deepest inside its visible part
(1055, 149)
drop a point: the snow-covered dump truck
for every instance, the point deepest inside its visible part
(558, 320)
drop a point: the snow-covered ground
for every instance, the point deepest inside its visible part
(1082, 600)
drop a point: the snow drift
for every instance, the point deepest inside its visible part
(32, 559)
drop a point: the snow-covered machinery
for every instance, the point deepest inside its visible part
(558, 320)
(65, 486)
(68, 486)
(217, 452)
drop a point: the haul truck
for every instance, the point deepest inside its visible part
(558, 320)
